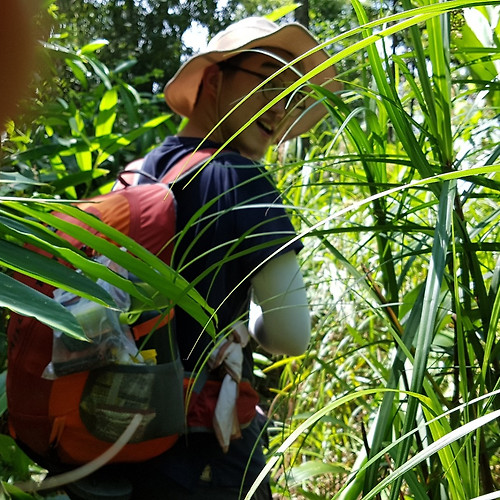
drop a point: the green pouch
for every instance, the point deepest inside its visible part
(115, 393)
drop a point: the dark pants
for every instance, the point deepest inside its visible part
(169, 490)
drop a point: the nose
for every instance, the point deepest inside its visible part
(279, 109)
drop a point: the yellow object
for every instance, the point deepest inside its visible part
(149, 356)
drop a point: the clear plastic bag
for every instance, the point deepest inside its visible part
(109, 341)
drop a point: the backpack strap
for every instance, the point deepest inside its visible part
(179, 171)
(187, 165)
(133, 171)
(129, 176)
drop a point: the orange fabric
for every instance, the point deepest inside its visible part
(77, 446)
(66, 393)
(143, 329)
(114, 211)
(74, 443)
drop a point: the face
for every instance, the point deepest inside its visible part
(238, 81)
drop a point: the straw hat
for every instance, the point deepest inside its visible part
(181, 91)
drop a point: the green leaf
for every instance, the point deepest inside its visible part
(308, 470)
(101, 71)
(15, 178)
(19, 465)
(125, 65)
(93, 46)
(79, 70)
(139, 261)
(14, 493)
(282, 11)
(50, 271)
(431, 449)
(41, 237)
(26, 301)
(112, 145)
(84, 160)
(72, 180)
(107, 113)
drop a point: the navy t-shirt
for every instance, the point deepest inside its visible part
(242, 224)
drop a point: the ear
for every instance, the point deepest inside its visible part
(212, 80)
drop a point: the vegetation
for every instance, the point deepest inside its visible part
(396, 197)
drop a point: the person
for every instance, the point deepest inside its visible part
(235, 242)
(236, 239)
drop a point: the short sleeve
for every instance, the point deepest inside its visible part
(261, 225)
(247, 216)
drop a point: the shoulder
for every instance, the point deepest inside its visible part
(232, 168)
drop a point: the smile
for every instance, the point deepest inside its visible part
(268, 130)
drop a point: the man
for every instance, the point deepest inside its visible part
(235, 237)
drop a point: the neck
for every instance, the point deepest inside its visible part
(194, 129)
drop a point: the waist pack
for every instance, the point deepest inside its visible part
(77, 416)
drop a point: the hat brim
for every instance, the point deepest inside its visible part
(182, 90)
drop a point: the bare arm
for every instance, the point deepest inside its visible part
(284, 326)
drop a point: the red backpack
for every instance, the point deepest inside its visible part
(78, 416)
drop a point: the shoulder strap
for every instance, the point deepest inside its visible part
(130, 175)
(187, 164)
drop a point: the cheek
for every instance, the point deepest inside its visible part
(238, 113)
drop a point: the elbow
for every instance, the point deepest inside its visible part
(290, 337)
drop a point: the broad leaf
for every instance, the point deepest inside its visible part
(28, 302)
(50, 271)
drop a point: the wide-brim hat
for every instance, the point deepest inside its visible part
(251, 33)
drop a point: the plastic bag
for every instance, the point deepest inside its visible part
(109, 341)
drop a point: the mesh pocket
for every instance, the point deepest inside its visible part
(114, 394)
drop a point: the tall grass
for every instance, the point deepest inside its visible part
(401, 254)
(397, 201)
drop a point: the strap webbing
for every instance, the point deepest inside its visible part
(188, 164)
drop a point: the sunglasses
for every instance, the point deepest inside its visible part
(273, 88)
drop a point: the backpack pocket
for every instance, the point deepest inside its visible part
(115, 393)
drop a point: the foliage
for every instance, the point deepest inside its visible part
(94, 125)
(400, 208)
(148, 32)
(397, 201)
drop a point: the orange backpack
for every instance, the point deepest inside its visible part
(79, 415)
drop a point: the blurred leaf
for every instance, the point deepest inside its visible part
(307, 471)
(282, 11)
(14, 179)
(102, 71)
(94, 46)
(19, 466)
(72, 180)
(26, 301)
(14, 493)
(107, 113)
(125, 65)
(79, 70)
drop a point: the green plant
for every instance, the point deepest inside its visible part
(397, 200)
(400, 207)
